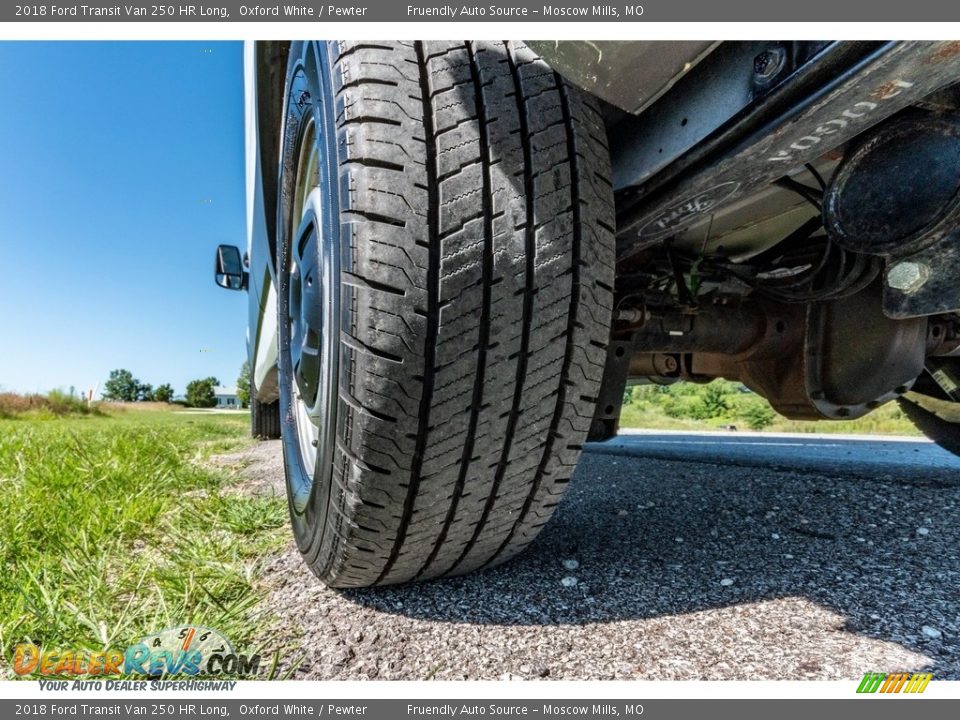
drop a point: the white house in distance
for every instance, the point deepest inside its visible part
(226, 397)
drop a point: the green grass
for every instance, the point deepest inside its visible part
(690, 406)
(886, 420)
(111, 527)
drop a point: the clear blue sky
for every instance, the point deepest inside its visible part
(121, 169)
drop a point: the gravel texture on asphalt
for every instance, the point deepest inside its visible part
(656, 569)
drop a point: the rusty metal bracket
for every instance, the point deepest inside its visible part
(606, 415)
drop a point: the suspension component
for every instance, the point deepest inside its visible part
(730, 329)
(897, 195)
(898, 192)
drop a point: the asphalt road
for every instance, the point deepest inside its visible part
(857, 456)
(674, 556)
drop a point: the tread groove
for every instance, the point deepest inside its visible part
(526, 319)
(484, 329)
(433, 316)
(375, 217)
(557, 418)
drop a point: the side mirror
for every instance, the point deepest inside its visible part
(228, 271)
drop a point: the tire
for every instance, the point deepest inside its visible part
(445, 288)
(265, 420)
(944, 433)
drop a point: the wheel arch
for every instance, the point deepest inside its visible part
(270, 73)
(265, 76)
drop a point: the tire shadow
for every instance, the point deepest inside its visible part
(640, 538)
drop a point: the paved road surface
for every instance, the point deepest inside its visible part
(674, 556)
(854, 455)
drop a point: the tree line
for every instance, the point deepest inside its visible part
(122, 386)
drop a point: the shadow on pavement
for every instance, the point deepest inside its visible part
(647, 537)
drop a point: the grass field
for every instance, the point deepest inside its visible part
(112, 527)
(717, 405)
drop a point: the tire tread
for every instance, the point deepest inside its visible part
(477, 257)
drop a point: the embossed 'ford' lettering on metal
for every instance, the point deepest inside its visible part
(700, 203)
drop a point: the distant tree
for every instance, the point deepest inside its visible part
(243, 384)
(122, 386)
(164, 393)
(759, 414)
(200, 392)
(714, 399)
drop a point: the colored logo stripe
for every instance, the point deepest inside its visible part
(871, 682)
(894, 682)
(918, 683)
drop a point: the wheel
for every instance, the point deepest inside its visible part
(264, 419)
(445, 278)
(939, 420)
